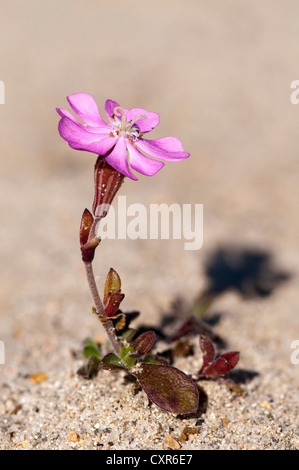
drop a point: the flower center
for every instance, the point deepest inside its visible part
(124, 128)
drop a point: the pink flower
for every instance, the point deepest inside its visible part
(121, 140)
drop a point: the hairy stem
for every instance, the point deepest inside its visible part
(107, 182)
(93, 288)
(108, 326)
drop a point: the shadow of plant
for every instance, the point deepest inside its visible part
(249, 272)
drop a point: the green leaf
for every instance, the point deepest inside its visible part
(111, 362)
(91, 348)
(128, 334)
(154, 360)
(126, 355)
(90, 369)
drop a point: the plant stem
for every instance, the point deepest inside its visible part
(107, 182)
(93, 288)
(108, 326)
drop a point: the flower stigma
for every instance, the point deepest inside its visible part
(126, 129)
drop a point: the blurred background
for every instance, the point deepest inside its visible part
(219, 75)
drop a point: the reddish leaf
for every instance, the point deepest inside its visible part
(88, 250)
(168, 387)
(85, 226)
(143, 343)
(232, 358)
(113, 303)
(224, 364)
(208, 351)
(87, 246)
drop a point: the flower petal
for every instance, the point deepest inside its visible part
(72, 131)
(93, 129)
(79, 138)
(141, 163)
(166, 148)
(65, 113)
(145, 124)
(85, 106)
(100, 147)
(106, 129)
(110, 105)
(118, 159)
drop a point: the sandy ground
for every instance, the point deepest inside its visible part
(219, 75)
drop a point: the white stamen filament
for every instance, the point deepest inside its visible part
(131, 123)
(123, 125)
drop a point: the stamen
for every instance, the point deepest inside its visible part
(124, 128)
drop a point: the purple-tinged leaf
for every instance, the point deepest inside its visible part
(143, 343)
(222, 365)
(169, 388)
(192, 327)
(208, 350)
(188, 327)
